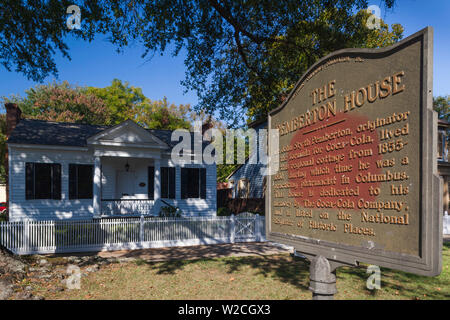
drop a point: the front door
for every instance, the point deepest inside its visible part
(125, 184)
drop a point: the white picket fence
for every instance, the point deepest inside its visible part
(40, 237)
(446, 223)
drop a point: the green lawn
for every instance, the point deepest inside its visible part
(256, 277)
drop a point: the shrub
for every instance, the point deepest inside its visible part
(3, 216)
(170, 212)
(223, 211)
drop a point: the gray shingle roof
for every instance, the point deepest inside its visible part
(52, 133)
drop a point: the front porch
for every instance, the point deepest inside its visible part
(127, 186)
(127, 207)
(127, 171)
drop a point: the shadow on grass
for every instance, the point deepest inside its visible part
(285, 268)
(403, 284)
(295, 271)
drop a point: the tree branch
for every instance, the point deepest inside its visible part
(224, 13)
(241, 52)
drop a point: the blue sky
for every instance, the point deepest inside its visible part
(97, 63)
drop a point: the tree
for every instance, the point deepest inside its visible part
(160, 115)
(283, 65)
(242, 58)
(111, 105)
(441, 105)
(63, 103)
(120, 98)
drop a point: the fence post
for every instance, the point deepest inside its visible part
(233, 228)
(257, 228)
(141, 230)
(26, 240)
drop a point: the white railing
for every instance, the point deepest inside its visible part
(121, 207)
(39, 237)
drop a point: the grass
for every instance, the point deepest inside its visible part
(249, 278)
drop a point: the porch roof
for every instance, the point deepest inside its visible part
(40, 132)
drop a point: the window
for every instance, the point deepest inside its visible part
(81, 180)
(243, 188)
(42, 181)
(193, 183)
(168, 183)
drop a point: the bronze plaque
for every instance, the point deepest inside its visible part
(357, 178)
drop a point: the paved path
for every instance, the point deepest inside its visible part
(199, 252)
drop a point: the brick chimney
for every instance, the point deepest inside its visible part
(13, 114)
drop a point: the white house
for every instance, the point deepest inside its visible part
(79, 171)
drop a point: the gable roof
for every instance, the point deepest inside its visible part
(40, 132)
(128, 125)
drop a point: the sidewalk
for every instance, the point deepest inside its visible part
(199, 252)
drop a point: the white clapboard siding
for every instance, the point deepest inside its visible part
(66, 209)
(39, 237)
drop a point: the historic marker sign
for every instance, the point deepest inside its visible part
(357, 177)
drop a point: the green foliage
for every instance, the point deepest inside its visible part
(441, 105)
(223, 212)
(243, 57)
(105, 106)
(305, 43)
(127, 102)
(121, 99)
(111, 105)
(160, 115)
(62, 102)
(224, 170)
(31, 32)
(170, 212)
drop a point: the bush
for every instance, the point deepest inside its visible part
(223, 212)
(170, 212)
(3, 216)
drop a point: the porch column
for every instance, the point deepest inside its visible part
(157, 194)
(97, 187)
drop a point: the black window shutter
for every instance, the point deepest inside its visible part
(164, 182)
(90, 182)
(72, 181)
(151, 183)
(203, 183)
(184, 181)
(194, 183)
(56, 181)
(172, 183)
(29, 181)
